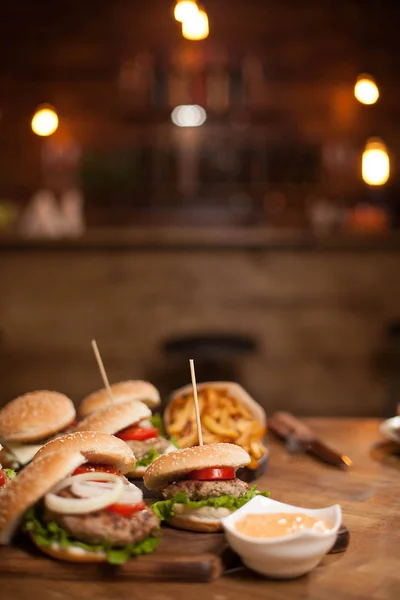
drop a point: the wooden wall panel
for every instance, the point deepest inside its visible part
(318, 318)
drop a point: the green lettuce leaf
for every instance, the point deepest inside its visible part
(47, 534)
(10, 473)
(157, 421)
(152, 454)
(146, 460)
(164, 509)
(118, 556)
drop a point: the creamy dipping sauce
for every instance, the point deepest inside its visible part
(279, 524)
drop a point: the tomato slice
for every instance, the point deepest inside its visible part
(212, 474)
(92, 468)
(137, 433)
(2, 477)
(126, 510)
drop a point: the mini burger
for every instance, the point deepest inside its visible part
(29, 421)
(130, 422)
(6, 475)
(124, 391)
(199, 486)
(76, 505)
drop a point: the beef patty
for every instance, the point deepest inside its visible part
(107, 526)
(142, 447)
(201, 490)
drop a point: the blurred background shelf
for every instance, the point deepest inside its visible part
(207, 238)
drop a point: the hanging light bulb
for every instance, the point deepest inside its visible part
(366, 91)
(375, 163)
(45, 121)
(196, 27)
(185, 9)
(189, 115)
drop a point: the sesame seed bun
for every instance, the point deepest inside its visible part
(35, 416)
(36, 480)
(96, 447)
(122, 392)
(114, 417)
(175, 465)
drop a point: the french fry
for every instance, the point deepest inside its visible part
(183, 415)
(243, 426)
(256, 450)
(201, 400)
(224, 417)
(212, 399)
(188, 440)
(215, 427)
(210, 438)
(243, 439)
(244, 412)
(217, 414)
(253, 463)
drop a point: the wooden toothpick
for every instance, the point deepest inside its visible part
(196, 401)
(102, 370)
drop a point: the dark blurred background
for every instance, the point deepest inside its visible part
(244, 187)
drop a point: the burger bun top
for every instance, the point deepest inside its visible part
(35, 416)
(124, 391)
(114, 417)
(96, 447)
(176, 465)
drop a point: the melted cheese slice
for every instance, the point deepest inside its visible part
(24, 452)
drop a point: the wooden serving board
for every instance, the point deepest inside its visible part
(181, 556)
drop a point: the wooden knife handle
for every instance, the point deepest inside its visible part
(284, 424)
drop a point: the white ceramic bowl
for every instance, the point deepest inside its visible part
(288, 556)
(391, 429)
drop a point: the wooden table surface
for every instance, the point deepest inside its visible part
(370, 498)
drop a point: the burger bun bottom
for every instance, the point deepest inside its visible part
(60, 554)
(197, 524)
(136, 473)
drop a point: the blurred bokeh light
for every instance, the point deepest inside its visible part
(186, 9)
(196, 26)
(375, 163)
(45, 121)
(189, 116)
(366, 91)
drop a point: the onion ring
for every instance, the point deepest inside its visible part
(131, 495)
(92, 489)
(77, 506)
